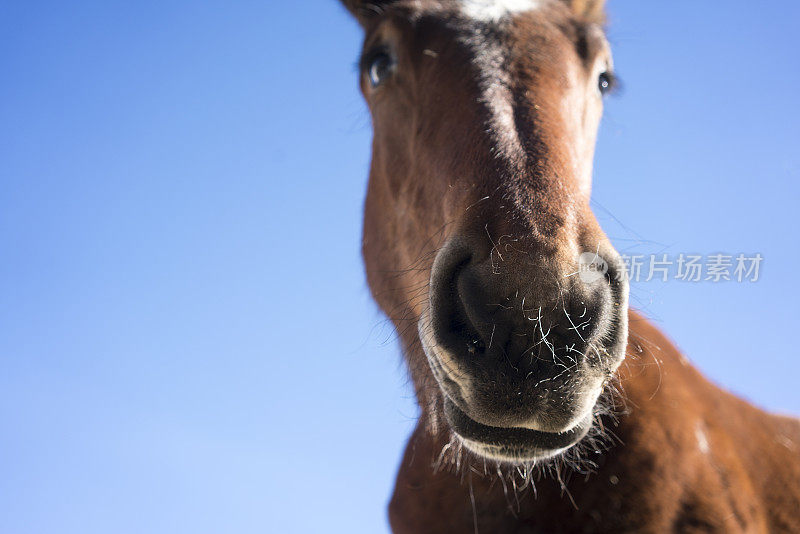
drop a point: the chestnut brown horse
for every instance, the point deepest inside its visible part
(546, 404)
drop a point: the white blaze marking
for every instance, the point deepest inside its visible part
(494, 10)
(495, 81)
(702, 439)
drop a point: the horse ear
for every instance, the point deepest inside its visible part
(365, 10)
(589, 10)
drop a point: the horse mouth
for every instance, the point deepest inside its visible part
(511, 444)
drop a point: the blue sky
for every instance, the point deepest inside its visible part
(187, 343)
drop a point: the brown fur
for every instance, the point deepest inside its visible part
(670, 452)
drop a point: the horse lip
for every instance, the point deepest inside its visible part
(511, 443)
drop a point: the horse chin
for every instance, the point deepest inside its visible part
(514, 445)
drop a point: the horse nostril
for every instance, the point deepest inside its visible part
(476, 346)
(450, 321)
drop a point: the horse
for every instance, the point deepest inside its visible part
(546, 403)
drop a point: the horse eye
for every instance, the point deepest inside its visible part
(606, 82)
(380, 66)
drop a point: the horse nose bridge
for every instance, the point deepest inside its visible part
(524, 246)
(526, 218)
(520, 250)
